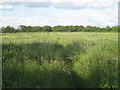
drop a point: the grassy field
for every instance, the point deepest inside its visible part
(60, 60)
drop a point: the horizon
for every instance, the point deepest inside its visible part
(56, 25)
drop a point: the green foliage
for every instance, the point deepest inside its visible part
(99, 65)
(8, 29)
(60, 60)
(59, 28)
(47, 29)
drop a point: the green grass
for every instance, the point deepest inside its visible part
(60, 60)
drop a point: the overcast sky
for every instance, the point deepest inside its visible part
(59, 12)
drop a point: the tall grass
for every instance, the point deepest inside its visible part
(60, 60)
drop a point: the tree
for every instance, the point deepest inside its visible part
(108, 28)
(59, 28)
(87, 29)
(37, 29)
(8, 29)
(114, 29)
(47, 29)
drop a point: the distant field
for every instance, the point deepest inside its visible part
(60, 60)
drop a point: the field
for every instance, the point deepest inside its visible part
(60, 60)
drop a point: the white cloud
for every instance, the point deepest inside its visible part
(16, 21)
(69, 4)
(88, 17)
(73, 12)
(6, 7)
(69, 17)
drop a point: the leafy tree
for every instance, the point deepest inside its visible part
(87, 29)
(59, 28)
(47, 29)
(114, 29)
(108, 28)
(8, 29)
(37, 29)
(23, 28)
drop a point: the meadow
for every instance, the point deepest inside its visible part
(60, 60)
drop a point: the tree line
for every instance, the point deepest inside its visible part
(59, 28)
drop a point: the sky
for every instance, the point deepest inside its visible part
(100, 13)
